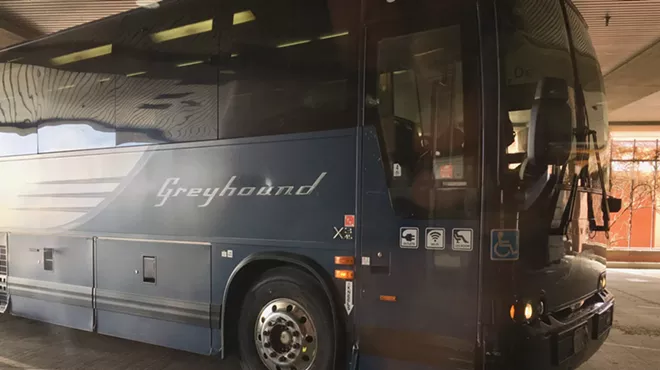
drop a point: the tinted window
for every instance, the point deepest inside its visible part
(421, 95)
(20, 108)
(138, 78)
(169, 56)
(181, 72)
(78, 111)
(63, 136)
(291, 68)
(421, 88)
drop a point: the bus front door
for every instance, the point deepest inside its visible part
(419, 238)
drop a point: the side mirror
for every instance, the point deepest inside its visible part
(550, 137)
(614, 204)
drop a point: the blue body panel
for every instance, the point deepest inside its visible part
(198, 241)
(434, 316)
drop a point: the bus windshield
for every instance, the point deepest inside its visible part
(532, 49)
(536, 42)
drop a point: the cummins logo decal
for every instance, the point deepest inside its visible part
(173, 188)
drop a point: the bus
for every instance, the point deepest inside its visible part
(314, 184)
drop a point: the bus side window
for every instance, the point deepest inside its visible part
(77, 114)
(168, 89)
(292, 69)
(18, 132)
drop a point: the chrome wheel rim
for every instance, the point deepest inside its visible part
(285, 336)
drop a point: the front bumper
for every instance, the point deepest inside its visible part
(557, 342)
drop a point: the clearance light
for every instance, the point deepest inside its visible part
(512, 312)
(186, 64)
(82, 55)
(243, 17)
(294, 43)
(135, 74)
(344, 260)
(234, 55)
(344, 274)
(183, 31)
(388, 298)
(602, 282)
(332, 36)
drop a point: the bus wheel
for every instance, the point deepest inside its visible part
(286, 324)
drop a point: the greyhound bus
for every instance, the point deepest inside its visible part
(314, 184)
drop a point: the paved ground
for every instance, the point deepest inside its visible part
(633, 344)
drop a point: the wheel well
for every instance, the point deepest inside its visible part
(247, 275)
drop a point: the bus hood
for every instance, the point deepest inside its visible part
(563, 283)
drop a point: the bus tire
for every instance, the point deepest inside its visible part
(286, 323)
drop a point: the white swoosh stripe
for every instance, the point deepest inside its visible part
(51, 202)
(69, 188)
(36, 219)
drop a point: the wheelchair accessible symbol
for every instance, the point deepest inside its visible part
(504, 245)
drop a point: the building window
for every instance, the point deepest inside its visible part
(634, 179)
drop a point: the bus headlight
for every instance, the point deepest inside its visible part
(602, 281)
(529, 311)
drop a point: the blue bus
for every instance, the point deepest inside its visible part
(314, 184)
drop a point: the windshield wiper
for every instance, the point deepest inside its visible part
(605, 208)
(567, 215)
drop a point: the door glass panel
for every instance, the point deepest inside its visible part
(423, 120)
(420, 100)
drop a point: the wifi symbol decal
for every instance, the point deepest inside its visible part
(435, 238)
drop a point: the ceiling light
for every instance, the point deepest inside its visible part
(332, 36)
(186, 64)
(65, 87)
(82, 55)
(183, 31)
(135, 74)
(243, 17)
(294, 43)
(151, 4)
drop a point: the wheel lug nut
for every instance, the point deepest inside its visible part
(266, 332)
(282, 359)
(273, 355)
(267, 345)
(296, 345)
(295, 333)
(291, 356)
(290, 323)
